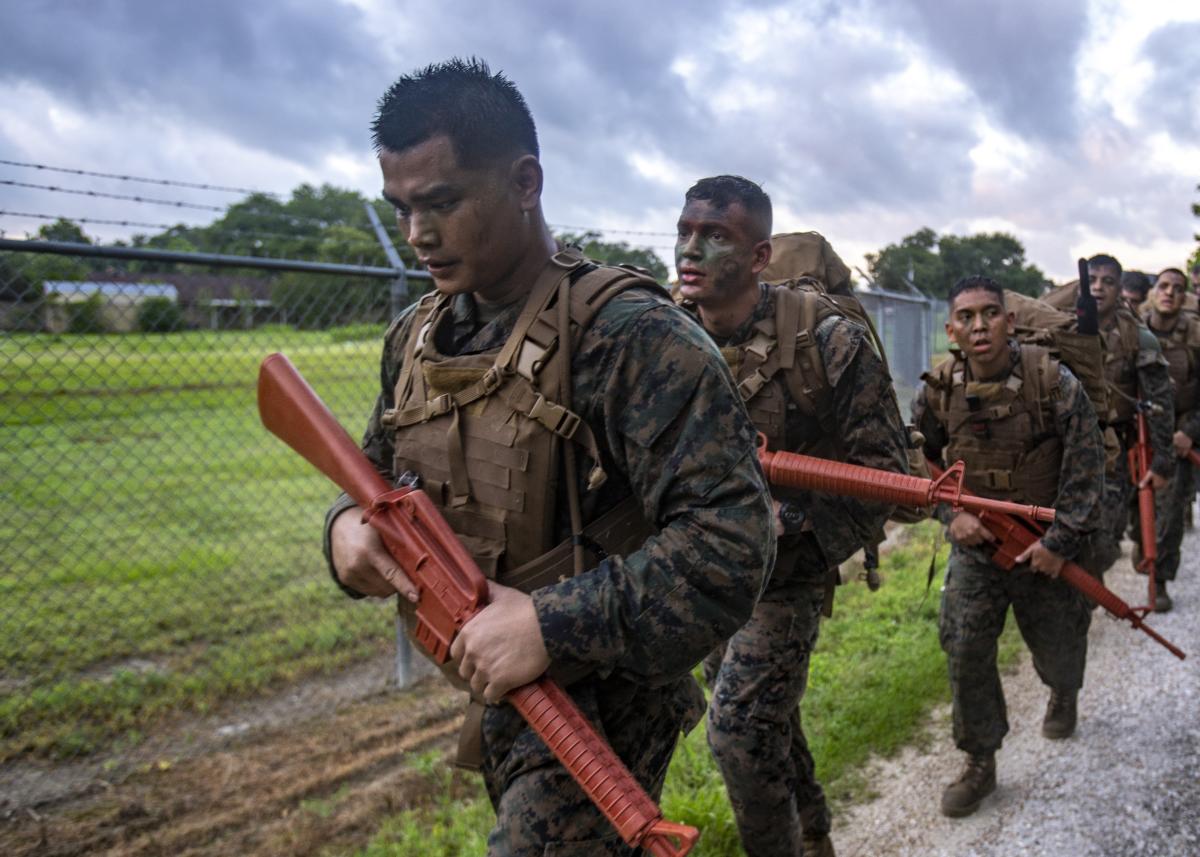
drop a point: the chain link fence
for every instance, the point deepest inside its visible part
(161, 549)
(906, 326)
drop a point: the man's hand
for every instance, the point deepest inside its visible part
(502, 647)
(968, 531)
(1182, 444)
(1154, 480)
(361, 560)
(1042, 559)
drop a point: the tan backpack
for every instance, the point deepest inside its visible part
(1039, 322)
(807, 254)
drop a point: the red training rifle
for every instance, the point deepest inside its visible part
(1140, 456)
(452, 590)
(1016, 526)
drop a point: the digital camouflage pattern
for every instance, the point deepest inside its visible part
(1153, 382)
(754, 727)
(759, 677)
(1052, 617)
(1172, 502)
(674, 433)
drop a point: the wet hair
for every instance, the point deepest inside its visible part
(483, 114)
(968, 284)
(724, 191)
(1103, 260)
(1135, 281)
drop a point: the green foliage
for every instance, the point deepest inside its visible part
(159, 314)
(63, 230)
(87, 315)
(161, 551)
(934, 263)
(616, 252)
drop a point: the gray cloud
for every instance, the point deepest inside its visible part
(1017, 55)
(288, 76)
(1172, 100)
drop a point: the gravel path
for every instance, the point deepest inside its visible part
(1127, 784)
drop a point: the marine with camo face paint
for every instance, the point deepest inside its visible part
(836, 401)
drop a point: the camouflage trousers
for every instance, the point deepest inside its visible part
(540, 809)
(1170, 509)
(1053, 619)
(754, 731)
(1114, 506)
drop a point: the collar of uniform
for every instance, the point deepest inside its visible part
(469, 335)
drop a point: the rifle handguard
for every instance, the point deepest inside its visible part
(792, 470)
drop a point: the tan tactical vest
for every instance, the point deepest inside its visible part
(1180, 345)
(1004, 431)
(781, 359)
(485, 431)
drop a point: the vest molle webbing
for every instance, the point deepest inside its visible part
(1003, 431)
(1179, 346)
(486, 431)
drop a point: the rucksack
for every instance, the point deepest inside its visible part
(807, 254)
(1039, 322)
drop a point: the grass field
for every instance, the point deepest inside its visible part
(160, 549)
(877, 672)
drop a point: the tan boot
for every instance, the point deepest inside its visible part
(978, 780)
(1059, 721)
(818, 846)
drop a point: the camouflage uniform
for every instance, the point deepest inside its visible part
(671, 431)
(1136, 370)
(1053, 618)
(759, 677)
(1180, 343)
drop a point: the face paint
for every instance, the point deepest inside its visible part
(714, 252)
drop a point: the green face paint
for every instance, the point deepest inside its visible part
(714, 252)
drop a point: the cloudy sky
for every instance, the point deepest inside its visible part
(1075, 125)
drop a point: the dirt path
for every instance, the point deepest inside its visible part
(1127, 784)
(295, 774)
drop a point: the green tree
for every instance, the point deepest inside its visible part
(87, 315)
(933, 263)
(63, 230)
(159, 314)
(616, 252)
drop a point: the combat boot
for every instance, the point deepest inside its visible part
(819, 845)
(1162, 601)
(1059, 721)
(978, 780)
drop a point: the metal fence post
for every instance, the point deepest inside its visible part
(400, 296)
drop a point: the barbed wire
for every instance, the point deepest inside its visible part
(127, 178)
(251, 233)
(612, 229)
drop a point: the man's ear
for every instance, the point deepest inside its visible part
(762, 256)
(1012, 323)
(525, 177)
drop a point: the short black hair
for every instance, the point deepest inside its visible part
(483, 114)
(1135, 281)
(1172, 271)
(1103, 260)
(724, 191)
(967, 284)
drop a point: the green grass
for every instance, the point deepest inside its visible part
(161, 551)
(877, 672)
